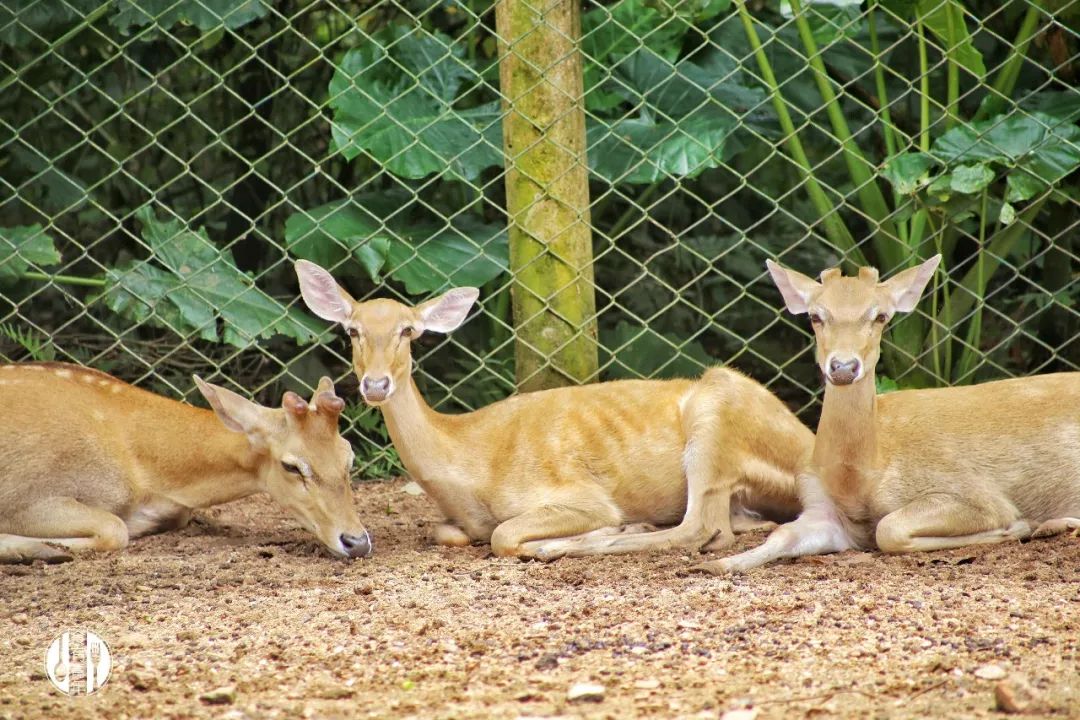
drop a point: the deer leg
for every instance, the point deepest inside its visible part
(61, 523)
(449, 535)
(711, 474)
(1058, 526)
(513, 536)
(942, 522)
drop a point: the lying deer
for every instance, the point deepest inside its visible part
(559, 472)
(920, 469)
(88, 461)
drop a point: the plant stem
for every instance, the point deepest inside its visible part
(886, 240)
(66, 279)
(835, 229)
(1005, 82)
(973, 284)
(952, 68)
(974, 333)
(889, 130)
(918, 222)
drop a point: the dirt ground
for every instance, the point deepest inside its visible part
(243, 599)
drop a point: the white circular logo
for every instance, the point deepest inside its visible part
(78, 662)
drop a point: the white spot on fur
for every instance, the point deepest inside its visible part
(63, 374)
(117, 387)
(87, 378)
(98, 415)
(33, 367)
(8, 367)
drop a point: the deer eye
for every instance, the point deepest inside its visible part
(408, 331)
(290, 468)
(881, 319)
(815, 319)
(353, 332)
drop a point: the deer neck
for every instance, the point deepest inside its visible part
(193, 460)
(845, 449)
(414, 430)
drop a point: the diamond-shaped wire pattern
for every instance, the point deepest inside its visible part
(164, 161)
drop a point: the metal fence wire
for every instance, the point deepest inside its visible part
(162, 162)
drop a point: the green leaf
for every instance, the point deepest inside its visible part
(329, 233)
(193, 285)
(969, 179)
(645, 150)
(23, 21)
(432, 259)
(885, 384)
(1007, 214)
(908, 172)
(941, 187)
(1021, 185)
(952, 33)
(23, 247)
(637, 352)
(203, 14)
(424, 253)
(409, 125)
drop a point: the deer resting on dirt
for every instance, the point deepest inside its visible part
(88, 461)
(919, 470)
(560, 472)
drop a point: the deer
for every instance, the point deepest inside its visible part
(89, 462)
(923, 469)
(579, 470)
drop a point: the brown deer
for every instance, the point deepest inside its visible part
(88, 461)
(919, 470)
(559, 472)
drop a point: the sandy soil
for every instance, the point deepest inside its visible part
(245, 600)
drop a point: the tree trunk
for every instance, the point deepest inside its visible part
(547, 192)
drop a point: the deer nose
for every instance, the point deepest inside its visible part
(357, 546)
(376, 384)
(843, 372)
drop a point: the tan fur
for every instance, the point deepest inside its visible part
(923, 469)
(88, 461)
(554, 472)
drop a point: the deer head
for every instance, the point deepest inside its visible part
(382, 330)
(306, 462)
(849, 314)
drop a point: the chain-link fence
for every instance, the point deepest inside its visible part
(163, 161)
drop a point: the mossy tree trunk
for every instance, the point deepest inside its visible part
(547, 192)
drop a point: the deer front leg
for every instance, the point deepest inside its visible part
(450, 535)
(60, 522)
(513, 536)
(1058, 526)
(942, 522)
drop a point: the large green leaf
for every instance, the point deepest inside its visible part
(406, 120)
(637, 351)
(23, 247)
(970, 179)
(645, 149)
(190, 285)
(424, 253)
(908, 172)
(203, 14)
(1039, 149)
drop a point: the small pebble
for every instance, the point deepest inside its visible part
(649, 684)
(20, 618)
(740, 714)
(990, 672)
(220, 696)
(585, 692)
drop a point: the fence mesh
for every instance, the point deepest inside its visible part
(163, 162)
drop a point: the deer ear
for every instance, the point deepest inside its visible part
(795, 287)
(449, 310)
(322, 294)
(907, 287)
(236, 413)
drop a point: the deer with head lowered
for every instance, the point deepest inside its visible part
(88, 461)
(919, 470)
(575, 470)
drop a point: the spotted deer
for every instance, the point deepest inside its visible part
(919, 470)
(88, 461)
(575, 470)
